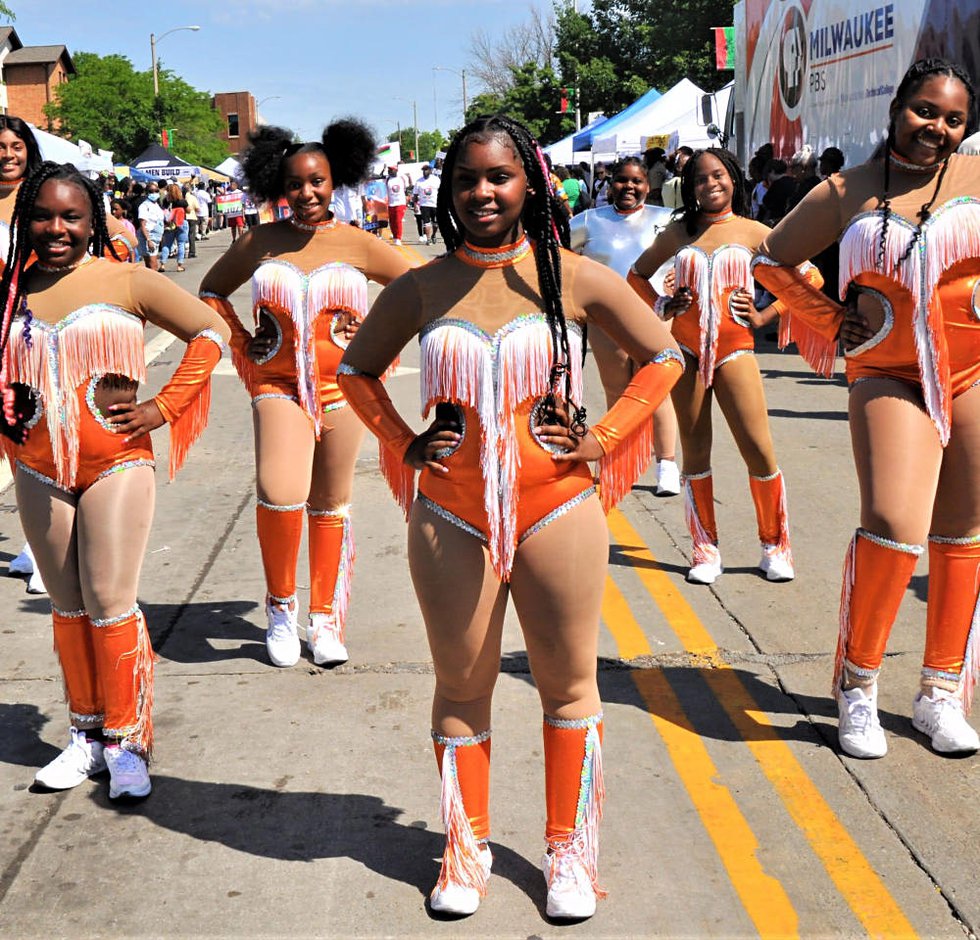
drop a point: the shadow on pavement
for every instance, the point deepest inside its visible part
(20, 736)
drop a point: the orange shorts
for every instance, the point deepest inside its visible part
(101, 450)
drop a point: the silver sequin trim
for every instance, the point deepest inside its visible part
(975, 301)
(119, 618)
(955, 539)
(342, 512)
(212, 335)
(734, 355)
(589, 721)
(68, 614)
(449, 451)
(31, 472)
(886, 327)
(555, 513)
(281, 601)
(126, 465)
(766, 479)
(35, 418)
(860, 671)
(697, 476)
(451, 517)
(212, 294)
(668, 355)
(265, 395)
(345, 369)
(292, 508)
(928, 673)
(85, 722)
(495, 258)
(93, 408)
(888, 543)
(461, 741)
(276, 346)
(336, 406)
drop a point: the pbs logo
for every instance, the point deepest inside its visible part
(792, 60)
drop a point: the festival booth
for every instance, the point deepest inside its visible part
(81, 155)
(586, 138)
(160, 164)
(626, 133)
(229, 167)
(563, 151)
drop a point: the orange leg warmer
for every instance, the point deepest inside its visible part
(876, 573)
(73, 644)
(769, 496)
(574, 788)
(331, 562)
(124, 659)
(699, 509)
(280, 531)
(953, 615)
(464, 764)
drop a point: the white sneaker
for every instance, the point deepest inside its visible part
(75, 764)
(23, 563)
(423, 240)
(858, 729)
(128, 775)
(668, 478)
(776, 564)
(940, 715)
(323, 640)
(35, 584)
(282, 634)
(707, 572)
(570, 891)
(460, 899)
(397, 241)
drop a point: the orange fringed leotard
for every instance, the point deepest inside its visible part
(502, 484)
(84, 326)
(305, 279)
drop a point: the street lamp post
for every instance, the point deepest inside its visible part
(153, 58)
(415, 122)
(462, 74)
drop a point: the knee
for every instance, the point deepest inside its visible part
(577, 698)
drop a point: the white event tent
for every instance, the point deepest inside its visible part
(680, 107)
(81, 154)
(562, 151)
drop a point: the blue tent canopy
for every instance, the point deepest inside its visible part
(583, 139)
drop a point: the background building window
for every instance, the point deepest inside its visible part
(232, 125)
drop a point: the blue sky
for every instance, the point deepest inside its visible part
(322, 58)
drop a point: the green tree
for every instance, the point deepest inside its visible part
(622, 48)
(6, 12)
(430, 143)
(533, 99)
(111, 105)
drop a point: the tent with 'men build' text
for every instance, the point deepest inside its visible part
(161, 164)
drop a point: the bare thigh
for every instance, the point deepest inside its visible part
(335, 458)
(897, 456)
(114, 519)
(614, 365)
(557, 583)
(738, 388)
(692, 406)
(463, 605)
(957, 507)
(284, 442)
(47, 515)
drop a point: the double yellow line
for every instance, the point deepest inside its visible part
(763, 896)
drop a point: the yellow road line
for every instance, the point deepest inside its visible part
(763, 897)
(852, 874)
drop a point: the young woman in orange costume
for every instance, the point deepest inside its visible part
(712, 318)
(506, 504)
(72, 340)
(909, 227)
(309, 290)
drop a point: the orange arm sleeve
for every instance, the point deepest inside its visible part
(625, 432)
(370, 402)
(240, 337)
(809, 318)
(642, 287)
(185, 400)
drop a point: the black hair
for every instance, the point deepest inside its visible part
(12, 282)
(628, 161)
(689, 209)
(348, 145)
(23, 130)
(545, 223)
(917, 73)
(832, 158)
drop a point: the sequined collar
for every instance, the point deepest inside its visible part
(632, 211)
(10, 184)
(315, 227)
(63, 268)
(714, 218)
(903, 164)
(502, 257)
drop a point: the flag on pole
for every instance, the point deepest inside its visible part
(564, 101)
(724, 47)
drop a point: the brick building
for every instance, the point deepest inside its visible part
(30, 75)
(241, 116)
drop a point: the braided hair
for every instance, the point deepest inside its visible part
(11, 283)
(689, 210)
(544, 223)
(20, 128)
(347, 144)
(917, 73)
